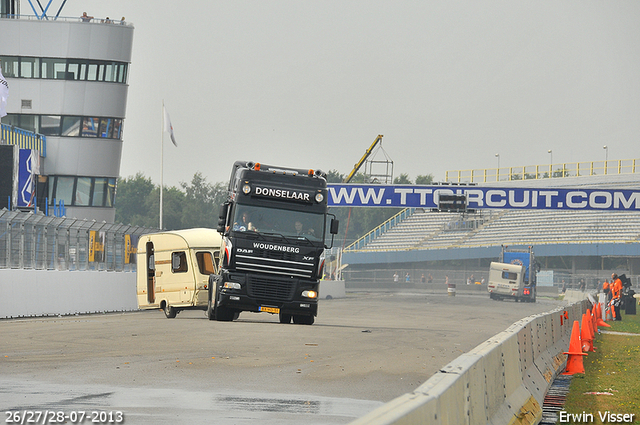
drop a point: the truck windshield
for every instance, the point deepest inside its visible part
(291, 224)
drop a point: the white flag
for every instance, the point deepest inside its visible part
(168, 127)
(4, 94)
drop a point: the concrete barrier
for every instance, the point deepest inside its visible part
(441, 288)
(331, 289)
(26, 293)
(501, 381)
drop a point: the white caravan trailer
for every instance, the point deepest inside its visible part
(174, 268)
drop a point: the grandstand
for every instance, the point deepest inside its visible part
(424, 237)
(433, 230)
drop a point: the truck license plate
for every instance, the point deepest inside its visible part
(273, 310)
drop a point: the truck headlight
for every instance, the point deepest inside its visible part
(319, 197)
(310, 294)
(231, 285)
(246, 189)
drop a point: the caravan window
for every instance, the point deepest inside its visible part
(205, 263)
(509, 275)
(178, 262)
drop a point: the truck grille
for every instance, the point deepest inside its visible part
(272, 289)
(282, 267)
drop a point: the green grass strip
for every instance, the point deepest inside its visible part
(614, 368)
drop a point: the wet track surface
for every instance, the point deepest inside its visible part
(364, 350)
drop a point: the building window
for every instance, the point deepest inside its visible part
(89, 127)
(71, 126)
(64, 69)
(30, 68)
(63, 190)
(99, 191)
(10, 66)
(83, 192)
(54, 125)
(111, 193)
(106, 128)
(50, 125)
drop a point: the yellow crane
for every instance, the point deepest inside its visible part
(363, 159)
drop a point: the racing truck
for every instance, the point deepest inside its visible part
(514, 276)
(273, 226)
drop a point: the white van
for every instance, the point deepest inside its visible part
(174, 268)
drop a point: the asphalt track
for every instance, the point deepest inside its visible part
(363, 350)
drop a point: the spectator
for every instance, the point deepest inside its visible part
(606, 288)
(616, 292)
(407, 278)
(430, 278)
(582, 285)
(85, 17)
(396, 277)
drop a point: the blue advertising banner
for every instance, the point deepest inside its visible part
(405, 196)
(26, 178)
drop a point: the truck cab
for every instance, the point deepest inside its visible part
(273, 228)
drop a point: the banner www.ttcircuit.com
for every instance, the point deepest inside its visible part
(403, 196)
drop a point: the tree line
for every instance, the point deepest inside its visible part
(197, 203)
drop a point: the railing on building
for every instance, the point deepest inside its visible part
(38, 17)
(35, 241)
(527, 172)
(24, 139)
(378, 231)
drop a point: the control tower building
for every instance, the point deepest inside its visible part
(67, 80)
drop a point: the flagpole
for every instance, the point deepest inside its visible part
(161, 163)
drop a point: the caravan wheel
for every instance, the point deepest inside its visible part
(169, 311)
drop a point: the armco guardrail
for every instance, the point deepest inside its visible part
(501, 381)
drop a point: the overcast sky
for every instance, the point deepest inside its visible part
(310, 84)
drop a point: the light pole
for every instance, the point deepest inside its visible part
(606, 157)
(498, 156)
(550, 152)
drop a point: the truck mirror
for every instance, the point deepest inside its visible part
(335, 224)
(222, 217)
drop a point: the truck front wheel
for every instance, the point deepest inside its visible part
(303, 320)
(210, 311)
(284, 318)
(223, 314)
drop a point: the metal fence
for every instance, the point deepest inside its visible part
(527, 172)
(36, 241)
(24, 139)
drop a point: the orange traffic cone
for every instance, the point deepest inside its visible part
(592, 323)
(599, 321)
(585, 334)
(574, 362)
(593, 327)
(607, 312)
